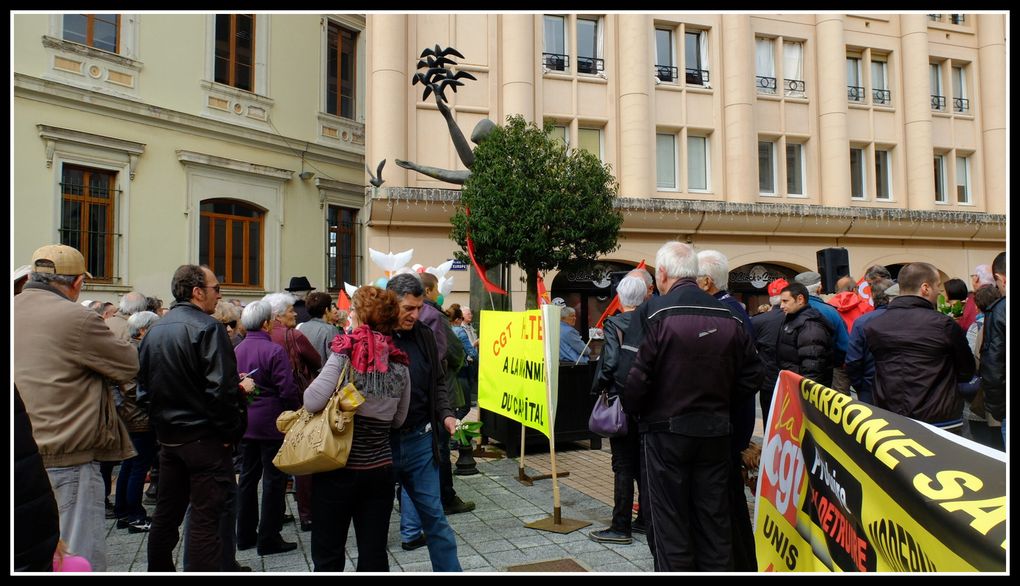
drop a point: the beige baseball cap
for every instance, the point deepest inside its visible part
(59, 259)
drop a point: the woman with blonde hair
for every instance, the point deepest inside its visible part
(362, 491)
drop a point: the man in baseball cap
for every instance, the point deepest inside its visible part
(59, 259)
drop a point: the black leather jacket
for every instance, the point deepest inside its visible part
(993, 359)
(188, 380)
(610, 377)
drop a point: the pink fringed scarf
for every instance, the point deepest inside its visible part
(369, 350)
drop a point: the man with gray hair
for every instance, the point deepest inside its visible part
(63, 356)
(694, 362)
(572, 347)
(130, 304)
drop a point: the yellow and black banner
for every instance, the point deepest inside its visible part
(844, 486)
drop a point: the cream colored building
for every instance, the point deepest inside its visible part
(767, 137)
(155, 140)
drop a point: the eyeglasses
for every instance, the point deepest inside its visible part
(215, 288)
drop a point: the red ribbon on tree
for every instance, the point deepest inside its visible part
(615, 304)
(489, 285)
(543, 295)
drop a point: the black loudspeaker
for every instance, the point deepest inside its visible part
(833, 263)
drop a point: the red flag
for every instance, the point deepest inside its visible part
(615, 304)
(543, 295)
(489, 285)
(343, 301)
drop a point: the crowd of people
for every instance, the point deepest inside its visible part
(186, 399)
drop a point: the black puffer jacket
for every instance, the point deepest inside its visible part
(36, 521)
(805, 345)
(920, 355)
(188, 380)
(993, 359)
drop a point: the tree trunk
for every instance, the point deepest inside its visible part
(531, 301)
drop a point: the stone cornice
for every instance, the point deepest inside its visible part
(61, 94)
(192, 157)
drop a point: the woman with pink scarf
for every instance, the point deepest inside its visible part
(361, 491)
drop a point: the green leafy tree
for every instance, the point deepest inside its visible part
(535, 204)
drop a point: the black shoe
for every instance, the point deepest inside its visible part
(306, 526)
(242, 546)
(610, 536)
(123, 523)
(458, 506)
(279, 546)
(288, 518)
(420, 541)
(239, 568)
(142, 526)
(638, 526)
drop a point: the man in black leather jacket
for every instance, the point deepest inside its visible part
(188, 380)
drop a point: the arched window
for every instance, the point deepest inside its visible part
(230, 241)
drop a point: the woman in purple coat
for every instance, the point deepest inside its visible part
(277, 392)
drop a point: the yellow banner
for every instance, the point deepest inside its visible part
(844, 486)
(511, 367)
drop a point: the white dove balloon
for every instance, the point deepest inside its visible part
(445, 286)
(441, 270)
(391, 262)
(350, 289)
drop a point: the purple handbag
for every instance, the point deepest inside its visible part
(607, 417)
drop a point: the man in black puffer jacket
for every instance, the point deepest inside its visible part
(36, 522)
(805, 342)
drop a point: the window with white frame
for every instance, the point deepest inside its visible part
(341, 69)
(794, 168)
(698, 168)
(793, 69)
(960, 102)
(854, 80)
(99, 31)
(665, 162)
(938, 99)
(880, 95)
(765, 66)
(940, 179)
(696, 57)
(554, 55)
(590, 139)
(559, 134)
(665, 65)
(766, 167)
(858, 177)
(589, 45)
(883, 174)
(962, 179)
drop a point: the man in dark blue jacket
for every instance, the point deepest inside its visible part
(860, 364)
(805, 343)
(694, 361)
(993, 349)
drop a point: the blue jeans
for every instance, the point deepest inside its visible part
(79, 494)
(418, 474)
(131, 478)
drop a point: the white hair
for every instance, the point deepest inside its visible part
(712, 263)
(279, 302)
(813, 289)
(133, 302)
(632, 291)
(775, 299)
(677, 260)
(140, 320)
(566, 312)
(645, 276)
(255, 314)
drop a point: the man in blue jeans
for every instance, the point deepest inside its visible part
(415, 445)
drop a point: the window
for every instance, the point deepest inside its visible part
(938, 100)
(960, 101)
(235, 50)
(696, 57)
(340, 72)
(664, 68)
(559, 133)
(590, 139)
(342, 247)
(940, 179)
(697, 163)
(854, 82)
(87, 217)
(857, 176)
(100, 31)
(555, 56)
(962, 179)
(880, 95)
(793, 69)
(765, 67)
(766, 167)
(794, 169)
(957, 18)
(589, 48)
(230, 242)
(883, 176)
(665, 162)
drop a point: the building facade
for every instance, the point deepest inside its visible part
(148, 141)
(767, 137)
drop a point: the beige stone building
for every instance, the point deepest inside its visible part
(153, 140)
(767, 137)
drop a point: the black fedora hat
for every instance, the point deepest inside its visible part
(299, 284)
